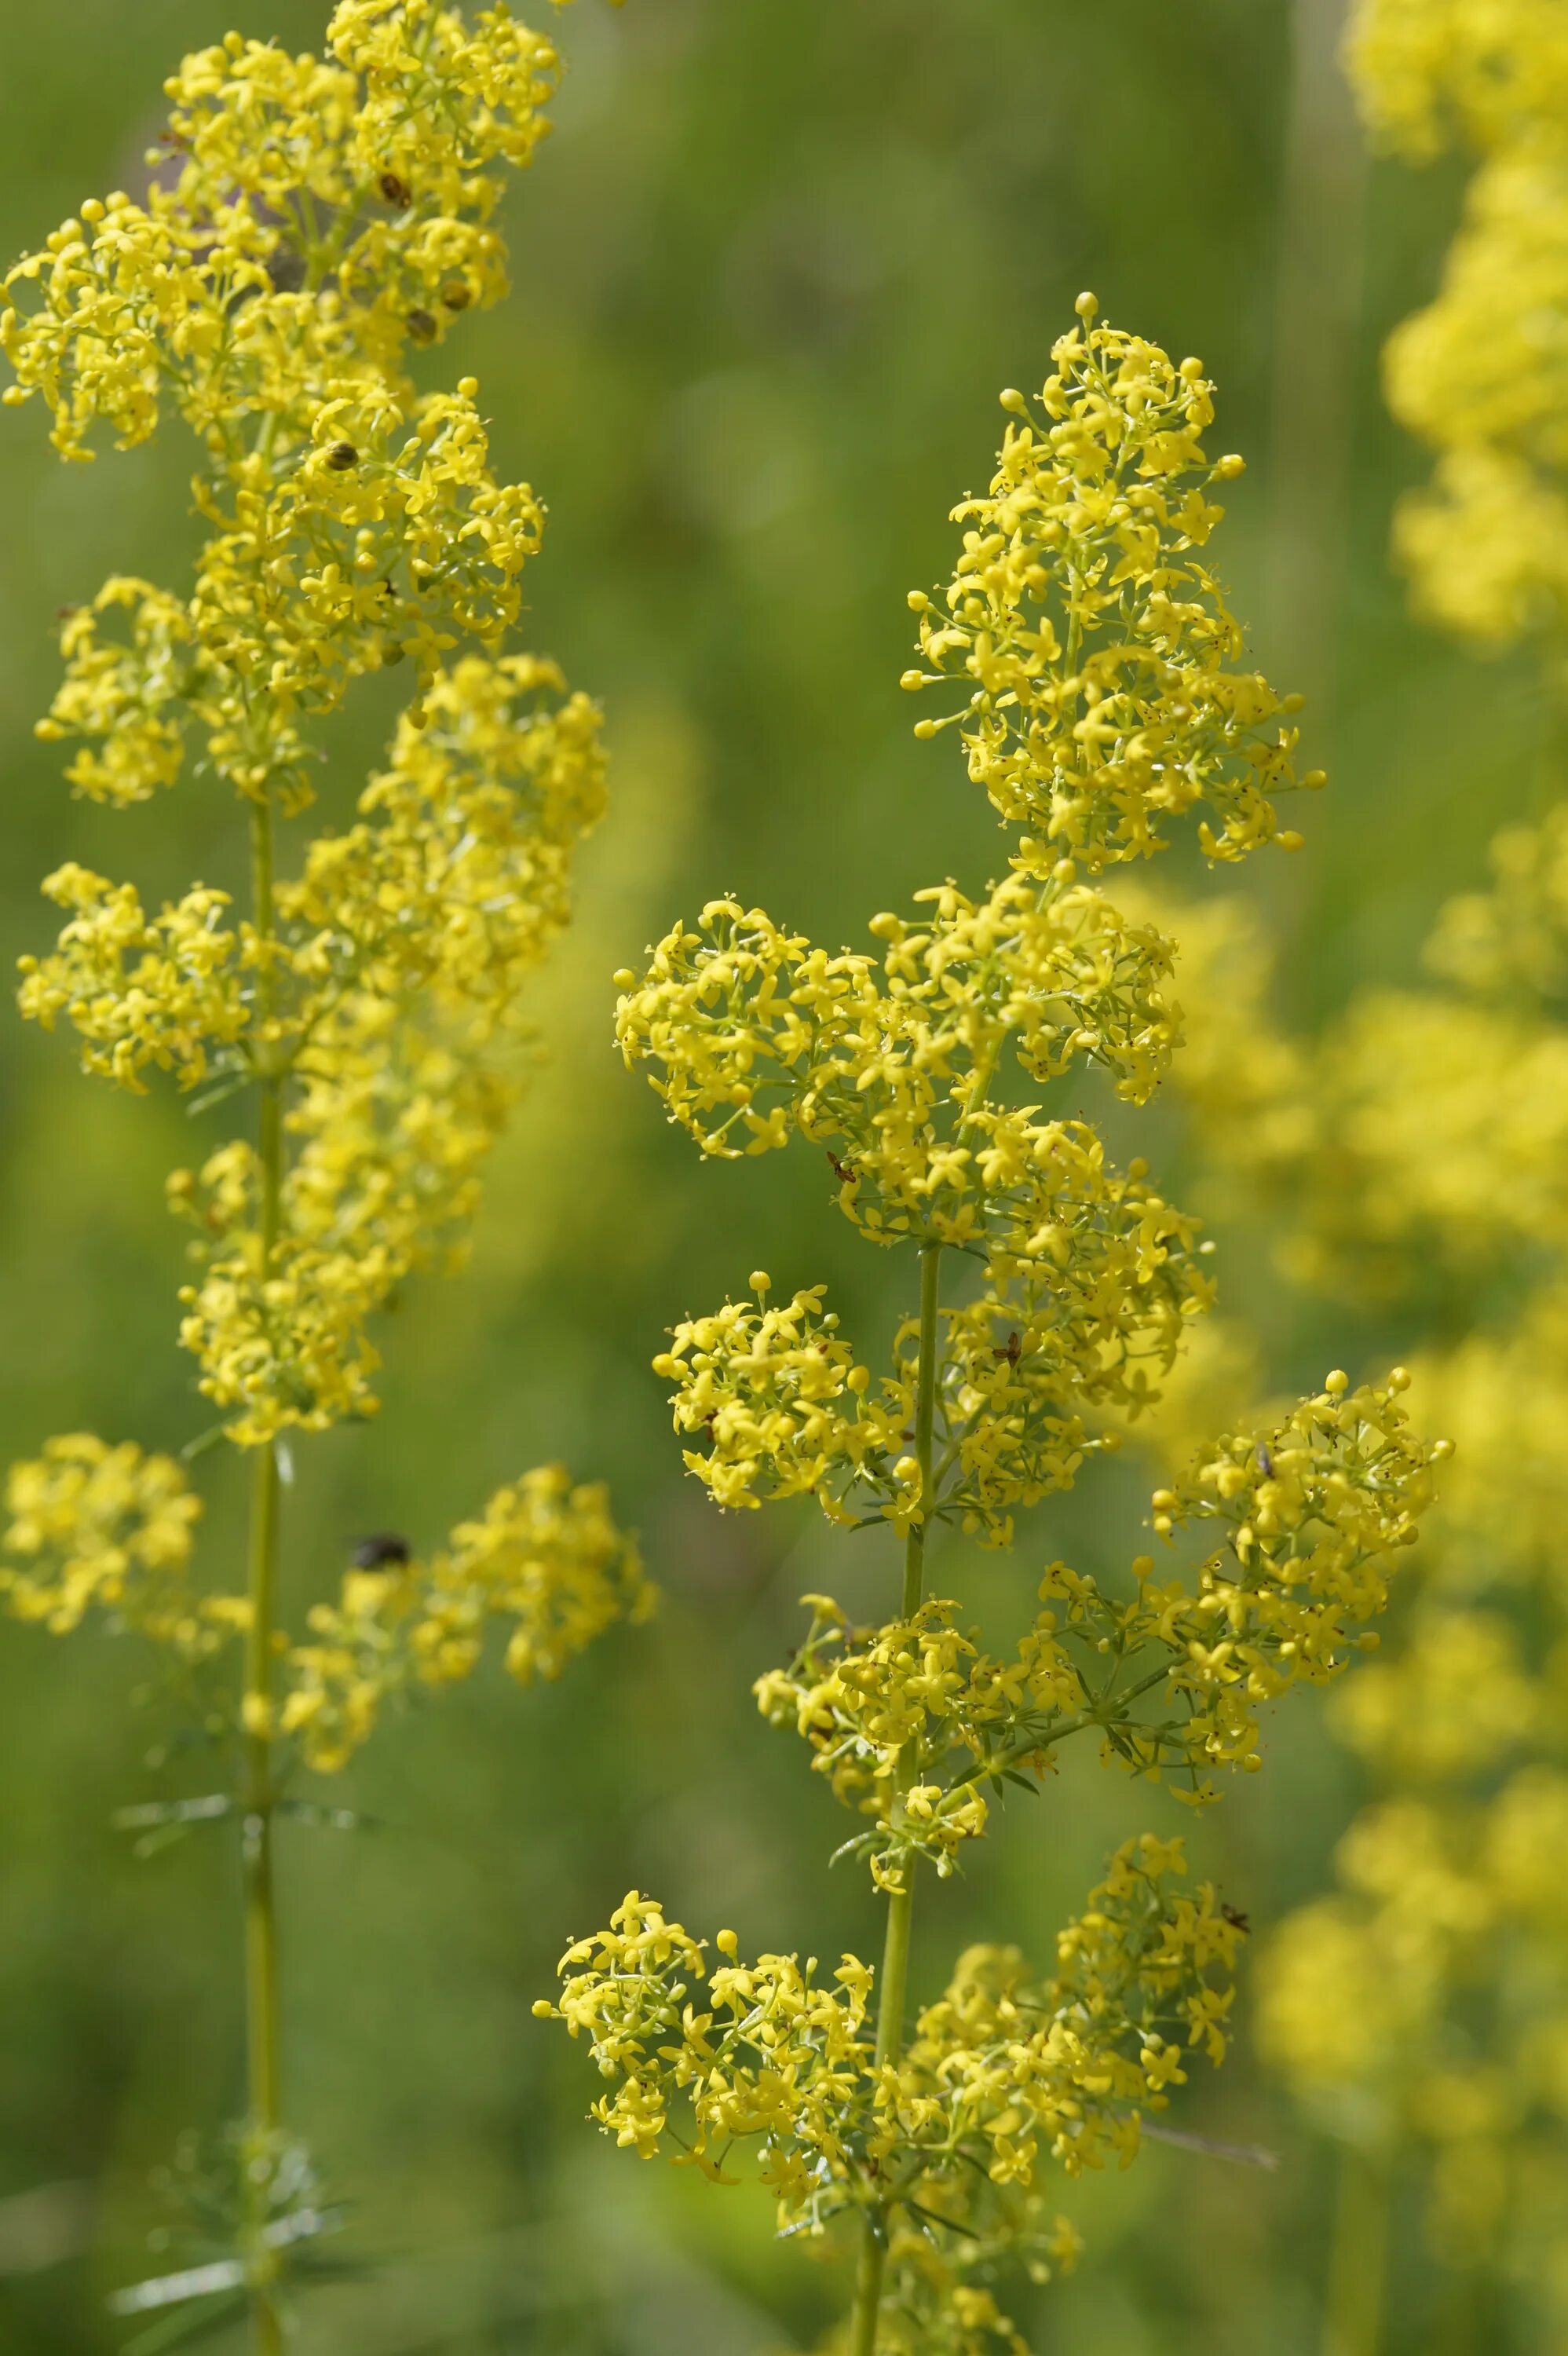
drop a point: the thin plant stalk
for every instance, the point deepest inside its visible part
(1358, 2263)
(900, 1905)
(261, 2011)
(1317, 315)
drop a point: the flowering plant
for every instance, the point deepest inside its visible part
(310, 221)
(1100, 697)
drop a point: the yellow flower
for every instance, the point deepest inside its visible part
(544, 1557)
(93, 1528)
(1001, 2073)
(1094, 640)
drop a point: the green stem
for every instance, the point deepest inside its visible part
(894, 1981)
(1318, 302)
(261, 2016)
(1358, 2263)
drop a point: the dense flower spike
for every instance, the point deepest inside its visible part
(322, 215)
(1105, 698)
(1480, 374)
(311, 218)
(308, 222)
(1420, 2009)
(1416, 2008)
(1475, 379)
(1095, 640)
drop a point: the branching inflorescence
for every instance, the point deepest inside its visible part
(1417, 1152)
(1102, 698)
(311, 221)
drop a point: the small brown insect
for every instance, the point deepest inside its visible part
(843, 1171)
(397, 192)
(341, 457)
(1013, 1351)
(381, 1547)
(286, 271)
(422, 326)
(1236, 1919)
(455, 294)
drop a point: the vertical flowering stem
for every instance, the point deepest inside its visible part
(900, 1905)
(262, 2037)
(1353, 2322)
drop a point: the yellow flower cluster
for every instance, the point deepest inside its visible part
(866, 1699)
(1487, 68)
(544, 1556)
(388, 540)
(1315, 1508)
(108, 1529)
(324, 214)
(907, 1721)
(1096, 642)
(457, 878)
(1055, 969)
(1094, 1282)
(1000, 2075)
(316, 215)
(398, 957)
(1510, 943)
(1481, 375)
(1420, 1121)
(757, 1036)
(779, 1396)
(167, 990)
(1422, 2008)
(1105, 698)
(1426, 2003)
(96, 1528)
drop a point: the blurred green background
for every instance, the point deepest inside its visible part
(770, 272)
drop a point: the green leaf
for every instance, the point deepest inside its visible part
(331, 1820)
(219, 1093)
(187, 2325)
(202, 1443)
(206, 1808)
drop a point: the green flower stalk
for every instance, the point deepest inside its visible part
(1101, 697)
(310, 221)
